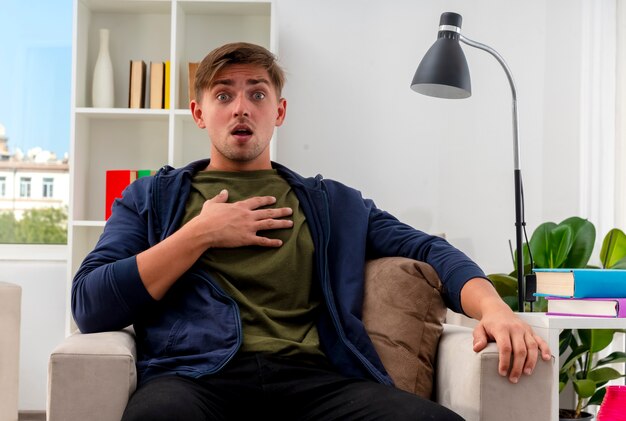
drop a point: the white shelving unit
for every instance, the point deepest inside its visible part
(121, 138)
(549, 328)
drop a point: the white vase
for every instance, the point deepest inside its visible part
(102, 87)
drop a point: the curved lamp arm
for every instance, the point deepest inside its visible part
(480, 46)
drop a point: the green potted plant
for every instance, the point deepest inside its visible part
(587, 374)
(570, 244)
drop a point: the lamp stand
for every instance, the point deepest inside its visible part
(517, 172)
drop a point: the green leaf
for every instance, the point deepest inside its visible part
(620, 264)
(584, 239)
(597, 397)
(612, 358)
(596, 339)
(505, 285)
(527, 266)
(584, 388)
(540, 244)
(613, 248)
(603, 374)
(550, 244)
(573, 357)
(563, 380)
(561, 241)
(565, 338)
(526, 256)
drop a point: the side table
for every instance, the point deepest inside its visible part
(549, 328)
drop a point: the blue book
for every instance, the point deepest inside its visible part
(581, 283)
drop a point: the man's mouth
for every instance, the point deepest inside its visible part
(242, 132)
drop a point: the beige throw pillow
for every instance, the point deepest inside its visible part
(403, 312)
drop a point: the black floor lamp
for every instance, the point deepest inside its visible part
(443, 73)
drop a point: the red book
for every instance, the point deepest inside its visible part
(116, 182)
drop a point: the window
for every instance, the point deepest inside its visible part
(35, 81)
(48, 187)
(25, 186)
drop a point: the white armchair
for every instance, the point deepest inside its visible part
(91, 376)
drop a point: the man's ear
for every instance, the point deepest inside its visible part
(196, 113)
(282, 112)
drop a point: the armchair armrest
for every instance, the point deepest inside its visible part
(468, 382)
(10, 314)
(91, 376)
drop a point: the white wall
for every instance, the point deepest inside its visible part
(620, 185)
(440, 165)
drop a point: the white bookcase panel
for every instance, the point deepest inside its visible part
(84, 237)
(109, 143)
(191, 143)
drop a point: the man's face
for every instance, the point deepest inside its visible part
(240, 112)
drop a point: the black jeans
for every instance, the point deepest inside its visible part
(266, 387)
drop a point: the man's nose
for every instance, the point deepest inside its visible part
(241, 107)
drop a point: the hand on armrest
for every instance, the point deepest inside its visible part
(468, 382)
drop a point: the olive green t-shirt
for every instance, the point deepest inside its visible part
(273, 287)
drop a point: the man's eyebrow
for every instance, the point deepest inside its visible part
(251, 81)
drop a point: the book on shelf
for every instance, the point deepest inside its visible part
(581, 283)
(166, 90)
(592, 307)
(157, 84)
(117, 181)
(137, 84)
(192, 66)
(145, 173)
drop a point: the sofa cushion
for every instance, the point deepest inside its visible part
(403, 312)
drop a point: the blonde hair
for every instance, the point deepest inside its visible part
(237, 53)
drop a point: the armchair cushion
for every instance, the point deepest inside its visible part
(403, 312)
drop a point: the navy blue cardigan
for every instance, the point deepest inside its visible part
(195, 329)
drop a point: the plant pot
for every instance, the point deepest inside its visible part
(570, 414)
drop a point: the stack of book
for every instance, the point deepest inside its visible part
(158, 78)
(583, 292)
(158, 81)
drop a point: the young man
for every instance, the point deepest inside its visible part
(242, 278)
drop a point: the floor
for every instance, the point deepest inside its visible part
(32, 416)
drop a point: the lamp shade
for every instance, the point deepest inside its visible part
(443, 72)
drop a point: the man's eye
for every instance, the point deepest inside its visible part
(223, 97)
(258, 95)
